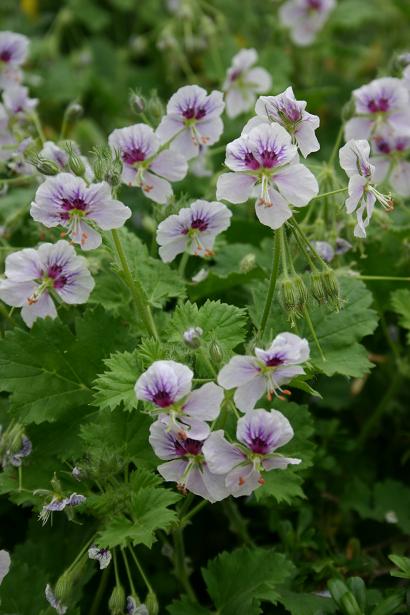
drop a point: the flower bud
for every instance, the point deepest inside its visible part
(192, 337)
(215, 352)
(47, 167)
(137, 103)
(116, 603)
(332, 288)
(74, 161)
(247, 263)
(73, 112)
(151, 603)
(317, 288)
(293, 296)
(63, 587)
(149, 224)
(155, 108)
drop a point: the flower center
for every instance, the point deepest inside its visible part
(269, 158)
(235, 74)
(5, 55)
(54, 273)
(72, 207)
(199, 224)
(162, 398)
(194, 113)
(259, 446)
(314, 5)
(188, 447)
(274, 361)
(250, 161)
(381, 105)
(382, 146)
(133, 155)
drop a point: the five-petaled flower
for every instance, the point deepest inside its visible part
(192, 119)
(354, 159)
(59, 503)
(260, 433)
(32, 276)
(305, 18)
(266, 371)
(168, 384)
(290, 113)
(145, 164)
(185, 463)
(67, 200)
(264, 161)
(193, 229)
(243, 82)
(382, 103)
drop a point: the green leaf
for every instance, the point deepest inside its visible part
(147, 511)
(220, 322)
(158, 280)
(403, 565)
(115, 386)
(49, 370)
(400, 300)
(306, 604)
(338, 333)
(185, 607)
(238, 581)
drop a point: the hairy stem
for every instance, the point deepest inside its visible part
(272, 281)
(135, 287)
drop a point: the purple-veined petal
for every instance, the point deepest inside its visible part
(240, 370)
(23, 266)
(221, 456)
(235, 187)
(205, 402)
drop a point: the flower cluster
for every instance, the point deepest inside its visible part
(201, 460)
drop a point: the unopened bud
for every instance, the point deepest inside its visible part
(151, 603)
(317, 287)
(293, 296)
(247, 263)
(137, 103)
(73, 112)
(64, 586)
(155, 107)
(332, 288)
(215, 352)
(192, 337)
(47, 167)
(74, 161)
(149, 224)
(116, 603)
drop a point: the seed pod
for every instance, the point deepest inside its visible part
(116, 603)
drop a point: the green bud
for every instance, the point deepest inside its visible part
(74, 161)
(293, 296)
(247, 263)
(64, 586)
(317, 287)
(215, 352)
(155, 108)
(73, 112)
(47, 167)
(332, 288)
(116, 603)
(99, 169)
(151, 603)
(137, 103)
(149, 224)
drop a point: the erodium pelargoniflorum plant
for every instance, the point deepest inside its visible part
(204, 308)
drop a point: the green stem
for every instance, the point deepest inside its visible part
(236, 521)
(336, 145)
(135, 287)
(95, 607)
(16, 181)
(326, 194)
(117, 576)
(313, 332)
(303, 249)
(38, 127)
(308, 244)
(141, 571)
(376, 415)
(182, 264)
(127, 568)
(193, 512)
(180, 564)
(382, 278)
(272, 281)
(81, 553)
